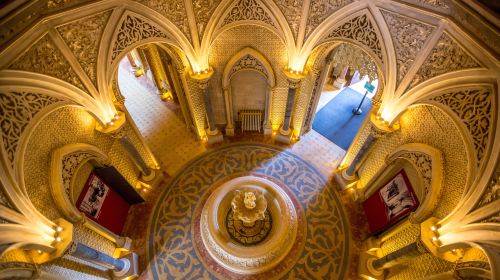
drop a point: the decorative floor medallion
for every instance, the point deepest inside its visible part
(303, 232)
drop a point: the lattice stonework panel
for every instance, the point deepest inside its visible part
(45, 58)
(173, 10)
(319, 10)
(447, 56)
(248, 10)
(408, 36)
(264, 41)
(292, 10)
(359, 29)
(203, 10)
(134, 29)
(428, 125)
(474, 106)
(83, 38)
(17, 109)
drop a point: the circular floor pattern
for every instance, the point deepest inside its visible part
(325, 252)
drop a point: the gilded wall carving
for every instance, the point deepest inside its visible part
(474, 106)
(17, 109)
(248, 62)
(446, 56)
(132, 30)
(83, 38)
(173, 10)
(408, 37)
(359, 29)
(492, 192)
(69, 164)
(292, 10)
(348, 55)
(203, 10)
(248, 10)
(423, 163)
(320, 10)
(45, 58)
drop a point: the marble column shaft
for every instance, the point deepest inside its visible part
(208, 106)
(292, 89)
(96, 257)
(154, 60)
(409, 251)
(135, 155)
(364, 148)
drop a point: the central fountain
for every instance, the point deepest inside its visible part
(248, 225)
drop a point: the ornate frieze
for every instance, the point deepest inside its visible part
(319, 10)
(174, 10)
(17, 109)
(446, 56)
(203, 10)
(474, 106)
(292, 10)
(248, 62)
(408, 37)
(133, 29)
(248, 10)
(83, 38)
(359, 29)
(45, 58)
(423, 163)
(70, 163)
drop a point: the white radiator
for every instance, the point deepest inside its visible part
(251, 120)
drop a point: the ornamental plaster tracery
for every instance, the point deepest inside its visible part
(248, 62)
(248, 10)
(134, 29)
(423, 163)
(83, 38)
(203, 10)
(292, 10)
(70, 163)
(174, 10)
(45, 58)
(474, 106)
(360, 29)
(320, 10)
(408, 36)
(17, 109)
(446, 56)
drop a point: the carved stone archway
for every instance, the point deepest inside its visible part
(248, 59)
(428, 163)
(65, 163)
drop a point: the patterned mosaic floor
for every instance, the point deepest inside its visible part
(325, 253)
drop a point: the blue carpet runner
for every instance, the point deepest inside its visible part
(336, 121)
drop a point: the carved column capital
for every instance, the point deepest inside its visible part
(202, 78)
(380, 128)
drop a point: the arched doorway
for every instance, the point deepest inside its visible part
(348, 81)
(151, 80)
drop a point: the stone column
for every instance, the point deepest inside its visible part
(347, 177)
(409, 251)
(202, 79)
(141, 56)
(268, 129)
(180, 85)
(229, 112)
(340, 81)
(133, 58)
(285, 131)
(319, 83)
(122, 268)
(159, 76)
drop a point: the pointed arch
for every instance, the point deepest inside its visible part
(263, 66)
